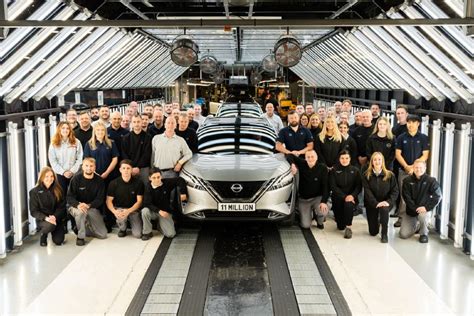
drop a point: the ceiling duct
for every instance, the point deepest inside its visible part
(288, 51)
(184, 51)
(269, 63)
(208, 64)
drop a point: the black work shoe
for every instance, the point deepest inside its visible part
(147, 236)
(358, 211)
(122, 233)
(348, 233)
(398, 223)
(80, 242)
(320, 226)
(423, 239)
(43, 240)
(384, 239)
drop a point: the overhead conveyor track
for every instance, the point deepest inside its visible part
(254, 269)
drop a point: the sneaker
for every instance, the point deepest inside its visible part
(122, 233)
(358, 211)
(320, 226)
(348, 233)
(80, 242)
(398, 223)
(423, 239)
(147, 236)
(43, 240)
(384, 239)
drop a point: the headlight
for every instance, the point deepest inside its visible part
(281, 181)
(192, 181)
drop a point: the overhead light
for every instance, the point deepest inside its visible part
(288, 51)
(215, 18)
(17, 8)
(184, 51)
(458, 7)
(208, 64)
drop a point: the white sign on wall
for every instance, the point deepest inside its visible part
(77, 96)
(100, 98)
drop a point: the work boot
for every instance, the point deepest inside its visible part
(384, 239)
(44, 240)
(348, 233)
(423, 239)
(398, 223)
(80, 242)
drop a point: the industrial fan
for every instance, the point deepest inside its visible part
(288, 51)
(208, 64)
(255, 77)
(269, 63)
(184, 51)
(218, 77)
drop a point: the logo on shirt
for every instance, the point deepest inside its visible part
(316, 179)
(132, 192)
(389, 145)
(82, 188)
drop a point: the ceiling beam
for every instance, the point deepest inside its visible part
(249, 23)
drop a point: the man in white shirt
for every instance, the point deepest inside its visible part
(274, 119)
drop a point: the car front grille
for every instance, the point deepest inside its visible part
(224, 189)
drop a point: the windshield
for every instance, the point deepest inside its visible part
(236, 139)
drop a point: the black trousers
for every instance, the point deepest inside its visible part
(375, 218)
(57, 231)
(343, 212)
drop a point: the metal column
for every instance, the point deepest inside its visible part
(446, 180)
(16, 185)
(3, 195)
(52, 125)
(30, 167)
(425, 122)
(461, 179)
(42, 143)
(434, 166)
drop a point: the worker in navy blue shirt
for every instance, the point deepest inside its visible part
(115, 131)
(294, 139)
(410, 147)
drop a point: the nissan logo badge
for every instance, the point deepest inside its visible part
(236, 188)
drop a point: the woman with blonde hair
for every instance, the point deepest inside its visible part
(103, 150)
(48, 206)
(329, 142)
(315, 125)
(380, 194)
(65, 154)
(383, 141)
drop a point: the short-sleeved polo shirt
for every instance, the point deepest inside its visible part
(412, 147)
(295, 140)
(125, 193)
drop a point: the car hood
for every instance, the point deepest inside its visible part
(215, 167)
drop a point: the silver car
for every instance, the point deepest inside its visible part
(231, 109)
(236, 174)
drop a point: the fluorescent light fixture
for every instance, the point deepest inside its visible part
(442, 40)
(58, 72)
(439, 56)
(91, 64)
(151, 71)
(18, 34)
(120, 65)
(457, 6)
(456, 32)
(32, 43)
(312, 68)
(17, 7)
(113, 60)
(167, 67)
(395, 53)
(446, 180)
(324, 68)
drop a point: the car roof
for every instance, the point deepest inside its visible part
(232, 109)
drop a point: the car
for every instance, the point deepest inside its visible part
(239, 109)
(236, 175)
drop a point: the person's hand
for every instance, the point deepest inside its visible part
(164, 214)
(51, 219)
(120, 213)
(104, 175)
(349, 198)
(294, 170)
(183, 197)
(68, 174)
(177, 168)
(421, 210)
(135, 171)
(382, 204)
(83, 207)
(324, 208)
(295, 153)
(409, 169)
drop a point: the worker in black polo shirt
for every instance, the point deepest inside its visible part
(410, 147)
(313, 189)
(361, 135)
(183, 130)
(294, 139)
(124, 200)
(85, 197)
(84, 130)
(157, 203)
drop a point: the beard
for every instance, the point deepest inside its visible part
(88, 173)
(294, 124)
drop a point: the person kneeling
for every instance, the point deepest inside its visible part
(158, 203)
(124, 199)
(48, 206)
(421, 194)
(85, 197)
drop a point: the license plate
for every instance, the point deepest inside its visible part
(236, 207)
